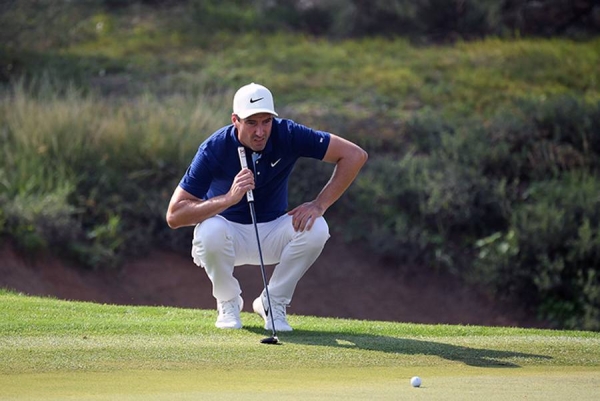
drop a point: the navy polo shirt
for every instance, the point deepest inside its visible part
(216, 163)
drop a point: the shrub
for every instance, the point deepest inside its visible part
(532, 141)
(212, 16)
(444, 20)
(43, 24)
(550, 17)
(521, 186)
(438, 20)
(549, 256)
(42, 221)
(384, 210)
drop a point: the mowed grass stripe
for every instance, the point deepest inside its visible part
(61, 350)
(48, 335)
(439, 383)
(336, 349)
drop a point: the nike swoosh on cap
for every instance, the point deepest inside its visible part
(256, 100)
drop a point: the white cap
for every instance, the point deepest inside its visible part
(253, 99)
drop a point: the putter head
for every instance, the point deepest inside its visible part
(270, 340)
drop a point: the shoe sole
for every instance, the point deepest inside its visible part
(236, 327)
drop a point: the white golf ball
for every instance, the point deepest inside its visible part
(415, 381)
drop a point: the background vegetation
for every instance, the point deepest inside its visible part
(481, 118)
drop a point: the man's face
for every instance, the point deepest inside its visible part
(254, 131)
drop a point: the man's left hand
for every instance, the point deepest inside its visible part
(304, 216)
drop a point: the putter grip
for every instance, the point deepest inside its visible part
(244, 164)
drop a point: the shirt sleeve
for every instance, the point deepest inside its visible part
(310, 142)
(197, 177)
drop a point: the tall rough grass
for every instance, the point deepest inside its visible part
(94, 174)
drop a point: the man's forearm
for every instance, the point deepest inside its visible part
(189, 212)
(342, 177)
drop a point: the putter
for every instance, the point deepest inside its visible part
(250, 196)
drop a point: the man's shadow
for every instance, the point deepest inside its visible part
(479, 357)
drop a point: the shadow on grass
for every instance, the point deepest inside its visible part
(478, 357)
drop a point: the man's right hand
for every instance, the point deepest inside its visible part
(242, 183)
(187, 210)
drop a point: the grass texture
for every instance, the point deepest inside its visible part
(54, 349)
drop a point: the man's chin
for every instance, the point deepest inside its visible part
(258, 147)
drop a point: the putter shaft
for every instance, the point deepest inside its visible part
(250, 198)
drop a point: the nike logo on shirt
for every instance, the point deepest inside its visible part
(275, 162)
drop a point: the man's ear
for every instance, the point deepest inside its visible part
(235, 118)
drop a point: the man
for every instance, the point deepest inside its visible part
(211, 197)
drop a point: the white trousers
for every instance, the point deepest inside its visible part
(219, 245)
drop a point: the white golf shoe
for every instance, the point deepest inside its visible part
(261, 306)
(229, 313)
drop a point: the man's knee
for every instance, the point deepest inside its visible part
(318, 235)
(211, 234)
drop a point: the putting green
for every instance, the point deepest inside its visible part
(439, 383)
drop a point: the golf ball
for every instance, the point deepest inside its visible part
(415, 381)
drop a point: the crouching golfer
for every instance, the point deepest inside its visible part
(211, 197)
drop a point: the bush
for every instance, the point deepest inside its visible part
(43, 221)
(43, 24)
(423, 209)
(212, 16)
(522, 187)
(532, 141)
(550, 254)
(550, 17)
(449, 20)
(437, 20)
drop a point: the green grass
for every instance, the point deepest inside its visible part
(162, 51)
(54, 349)
(389, 77)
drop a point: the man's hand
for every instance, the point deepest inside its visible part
(242, 183)
(187, 210)
(348, 159)
(304, 216)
